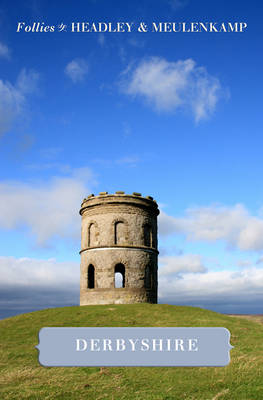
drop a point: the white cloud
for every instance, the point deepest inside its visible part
(227, 291)
(48, 209)
(27, 81)
(167, 225)
(77, 70)
(173, 86)
(13, 98)
(4, 51)
(234, 225)
(26, 272)
(185, 263)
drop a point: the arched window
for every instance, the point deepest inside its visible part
(148, 278)
(91, 277)
(147, 234)
(119, 276)
(91, 235)
(119, 232)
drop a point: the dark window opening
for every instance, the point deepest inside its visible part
(148, 277)
(147, 234)
(91, 277)
(119, 276)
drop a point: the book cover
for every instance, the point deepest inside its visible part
(143, 98)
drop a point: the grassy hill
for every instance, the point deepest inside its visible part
(21, 377)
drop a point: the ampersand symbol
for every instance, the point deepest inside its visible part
(142, 27)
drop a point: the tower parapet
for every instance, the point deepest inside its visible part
(118, 249)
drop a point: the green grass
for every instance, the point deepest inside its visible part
(21, 376)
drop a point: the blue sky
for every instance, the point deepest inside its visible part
(174, 115)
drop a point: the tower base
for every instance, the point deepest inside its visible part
(117, 296)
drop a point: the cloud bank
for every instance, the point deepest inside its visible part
(30, 284)
(173, 86)
(223, 291)
(174, 265)
(234, 225)
(29, 272)
(48, 209)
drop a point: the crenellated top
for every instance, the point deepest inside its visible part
(119, 197)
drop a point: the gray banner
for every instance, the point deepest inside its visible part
(134, 347)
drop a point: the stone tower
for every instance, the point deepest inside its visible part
(118, 249)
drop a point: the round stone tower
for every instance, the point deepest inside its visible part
(118, 249)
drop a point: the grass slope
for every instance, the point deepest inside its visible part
(21, 377)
